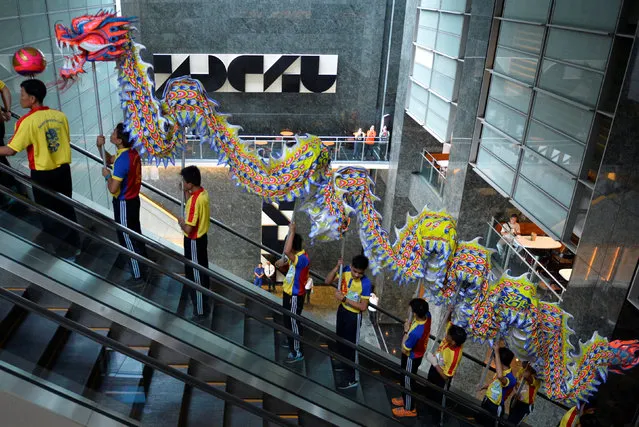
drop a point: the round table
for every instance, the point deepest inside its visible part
(541, 242)
(566, 273)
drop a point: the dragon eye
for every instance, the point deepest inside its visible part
(111, 48)
(114, 29)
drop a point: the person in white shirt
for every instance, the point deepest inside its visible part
(372, 311)
(509, 230)
(309, 289)
(269, 270)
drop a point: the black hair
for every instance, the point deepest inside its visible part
(123, 135)
(419, 307)
(35, 88)
(191, 174)
(506, 356)
(360, 262)
(457, 334)
(297, 242)
(515, 216)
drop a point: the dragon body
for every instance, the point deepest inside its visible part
(426, 248)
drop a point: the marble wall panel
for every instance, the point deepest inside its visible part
(353, 29)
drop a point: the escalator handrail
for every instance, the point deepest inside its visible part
(68, 395)
(271, 324)
(223, 226)
(144, 359)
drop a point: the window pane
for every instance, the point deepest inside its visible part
(555, 147)
(417, 102)
(437, 124)
(448, 44)
(588, 50)
(510, 93)
(426, 37)
(422, 74)
(548, 177)
(521, 37)
(9, 9)
(33, 28)
(446, 66)
(527, 10)
(515, 64)
(451, 23)
(500, 147)
(562, 116)
(428, 18)
(499, 173)
(443, 85)
(439, 106)
(28, 7)
(454, 5)
(574, 83)
(505, 119)
(431, 4)
(423, 66)
(540, 206)
(591, 14)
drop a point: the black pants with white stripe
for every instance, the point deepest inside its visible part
(411, 365)
(294, 303)
(196, 251)
(127, 214)
(347, 326)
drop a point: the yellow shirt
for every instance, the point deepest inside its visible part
(354, 289)
(528, 392)
(198, 214)
(44, 133)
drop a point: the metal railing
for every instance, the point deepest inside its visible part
(131, 352)
(514, 257)
(342, 148)
(432, 172)
(311, 325)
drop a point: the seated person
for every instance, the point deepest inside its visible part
(508, 232)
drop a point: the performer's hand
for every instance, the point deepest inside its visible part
(340, 262)
(292, 226)
(106, 172)
(181, 222)
(100, 141)
(432, 359)
(339, 296)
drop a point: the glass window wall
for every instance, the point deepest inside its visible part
(537, 121)
(437, 48)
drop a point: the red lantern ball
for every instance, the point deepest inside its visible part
(29, 61)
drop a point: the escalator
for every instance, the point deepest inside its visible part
(238, 349)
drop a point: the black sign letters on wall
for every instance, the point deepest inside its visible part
(251, 73)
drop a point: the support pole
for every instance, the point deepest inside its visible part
(183, 164)
(484, 372)
(98, 110)
(442, 326)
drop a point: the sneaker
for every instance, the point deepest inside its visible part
(403, 412)
(199, 318)
(134, 284)
(348, 385)
(292, 357)
(397, 401)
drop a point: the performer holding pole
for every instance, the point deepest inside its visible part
(183, 164)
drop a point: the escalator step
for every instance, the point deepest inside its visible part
(229, 323)
(164, 399)
(259, 338)
(204, 409)
(308, 420)
(75, 362)
(122, 383)
(29, 341)
(237, 417)
(319, 367)
(375, 394)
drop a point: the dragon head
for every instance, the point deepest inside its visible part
(99, 37)
(625, 355)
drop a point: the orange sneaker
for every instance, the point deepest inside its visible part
(402, 412)
(397, 401)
